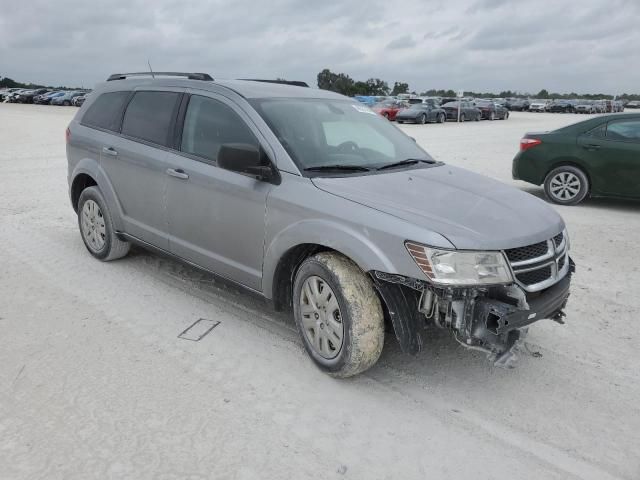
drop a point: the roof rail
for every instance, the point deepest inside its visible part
(191, 76)
(297, 83)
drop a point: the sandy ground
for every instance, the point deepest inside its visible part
(94, 382)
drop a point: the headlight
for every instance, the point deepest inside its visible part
(454, 267)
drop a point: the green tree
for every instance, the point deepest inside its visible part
(400, 87)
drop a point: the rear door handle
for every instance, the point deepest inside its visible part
(592, 147)
(110, 151)
(178, 173)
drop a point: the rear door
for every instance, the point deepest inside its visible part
(216, 216)
(612, 153)
(135, 163)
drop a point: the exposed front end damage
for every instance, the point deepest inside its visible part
(490, 319)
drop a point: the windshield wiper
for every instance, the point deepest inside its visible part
(351, 168)
(408, 161)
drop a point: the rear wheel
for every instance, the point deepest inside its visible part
(462, 117)
(479, 117)
(66, 103)
(492, 116)
(423, 119)
(96, 227)
(339, 314)
(566, 185)
(505, 116)
(441, 118)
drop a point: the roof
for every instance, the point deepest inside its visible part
(244, 88)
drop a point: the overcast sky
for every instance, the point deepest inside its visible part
(480, 45)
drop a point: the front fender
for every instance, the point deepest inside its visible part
(352, 243)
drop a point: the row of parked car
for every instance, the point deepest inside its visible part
(44, 96)
(578, 106)
(437, 110)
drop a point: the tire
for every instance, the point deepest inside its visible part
(66, 103)
(385, 115)
(566, 185)
(478, 117)
(442, 118)
(505, 116)
(96, 227)
(400, 121)
(462, 117)
(423, 119)
(359, 314)
(492, 116)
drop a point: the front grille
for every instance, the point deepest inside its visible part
(527, 253)
(539, 264)
(557, 240)
(534, 276)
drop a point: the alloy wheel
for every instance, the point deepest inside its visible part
(93, 226)
(565, 186)
(320, 317)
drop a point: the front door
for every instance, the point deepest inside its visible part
(216, 216)
(613, 155)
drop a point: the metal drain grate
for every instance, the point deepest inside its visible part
(198, 329)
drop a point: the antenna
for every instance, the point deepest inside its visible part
(149, 63)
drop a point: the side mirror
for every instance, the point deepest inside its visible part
(249, 160)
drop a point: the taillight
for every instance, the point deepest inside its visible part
(67, 135)
(527, 143)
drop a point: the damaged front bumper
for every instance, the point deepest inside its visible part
(490, 319)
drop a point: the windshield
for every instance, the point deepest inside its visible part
(322, 133)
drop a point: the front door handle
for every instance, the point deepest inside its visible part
(110, 151)
(178, 173)
(591, 147)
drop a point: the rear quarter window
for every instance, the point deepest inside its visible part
(106, 111)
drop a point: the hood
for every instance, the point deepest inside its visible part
(472, 211)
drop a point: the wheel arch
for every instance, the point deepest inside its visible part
(87, 172)
(570, 163)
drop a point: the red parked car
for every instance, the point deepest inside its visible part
(389, 108)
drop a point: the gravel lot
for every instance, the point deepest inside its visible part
(94, 382)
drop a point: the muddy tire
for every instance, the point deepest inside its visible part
(96, 227)
(339, 314)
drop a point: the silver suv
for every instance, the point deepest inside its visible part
(315, 202)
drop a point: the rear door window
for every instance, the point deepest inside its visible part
(106, 111)
(149, 116)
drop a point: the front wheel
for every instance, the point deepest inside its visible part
(462, 117)
(423, 119)
(441, 118)
(96, 227)
(479, 117)
(566, 185)
(505, 116)
(492, 116)
(338, 314)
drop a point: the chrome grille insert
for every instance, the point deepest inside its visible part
(540, 265)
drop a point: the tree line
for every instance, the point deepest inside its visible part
(6, 82)
(344, 84)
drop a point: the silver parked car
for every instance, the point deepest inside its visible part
(315, 202)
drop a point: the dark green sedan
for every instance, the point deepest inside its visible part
(599, 157)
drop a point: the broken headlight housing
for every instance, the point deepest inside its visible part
(460, 267)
